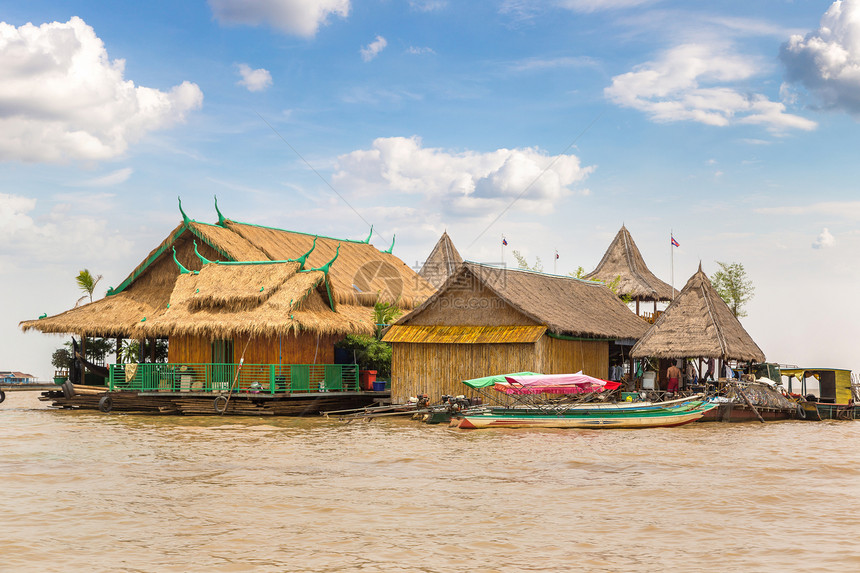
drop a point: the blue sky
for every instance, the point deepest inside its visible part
(731, 124)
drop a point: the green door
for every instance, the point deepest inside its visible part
(222, 364)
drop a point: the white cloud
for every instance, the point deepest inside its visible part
(62, 97)
(57, 236)
(599, 5)
(466, 183)
(298, 17)
(419, 50)
(373, 49)
(254, 80)
(824, 240)
(695, 82)
(827, 61)
(108, 180)
(428, 5)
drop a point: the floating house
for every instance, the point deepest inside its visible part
(697, 324)
(442, 261)
(243, 305)
(623, 262)
(489, 320)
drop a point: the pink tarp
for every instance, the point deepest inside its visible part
(578, 383)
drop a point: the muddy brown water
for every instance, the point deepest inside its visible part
(92, 492)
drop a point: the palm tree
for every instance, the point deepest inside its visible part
(87, 283)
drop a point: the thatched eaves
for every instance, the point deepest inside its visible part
(442, 261)
(698, 323)
(565, 305)
(623, 259)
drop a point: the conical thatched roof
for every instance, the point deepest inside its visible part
(623, 259)
(698, 323)
(565, 305)
(291, 281)
(442, 262)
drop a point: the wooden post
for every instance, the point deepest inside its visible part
(637, 306)
(140, 350)
(750, 404)
(118, 348)
(152, 350)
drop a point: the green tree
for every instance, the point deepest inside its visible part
(524, 264)
(578, 273)
(87, 283)
(734, 286)
(384, 313)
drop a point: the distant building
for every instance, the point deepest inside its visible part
(12, 377)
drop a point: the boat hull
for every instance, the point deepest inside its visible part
(582, 419)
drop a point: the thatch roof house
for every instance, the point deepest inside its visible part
(623, 259)
(489, 320)
(442, 261)
(275, 296)
(698, 323)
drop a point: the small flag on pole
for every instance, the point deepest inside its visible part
(504, 242)
(674, 242)
(556, 254)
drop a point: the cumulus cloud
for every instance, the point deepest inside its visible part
(56, 236)
(298, 17)
(696, 82)
(254, 80)
(62, 98)
(827, 61)
(372, 50)
(825, 240)
(468, 183)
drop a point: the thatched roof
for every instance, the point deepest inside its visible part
(442, 262)
(623, 259)
(297, 281)
(565, 305)
(698, 323)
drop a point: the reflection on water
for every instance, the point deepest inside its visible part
(93, 492)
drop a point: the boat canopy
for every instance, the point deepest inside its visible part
(488, 381)
(578, 383)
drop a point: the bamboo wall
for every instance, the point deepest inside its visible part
(437, 369)
(287, 349)
(556, 356)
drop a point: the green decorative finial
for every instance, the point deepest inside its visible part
(182, 269)
(391, 248)
(262, 289)
(143, 319)
(222, 221)
(303, 259)
(367, 240)
(109, 291)
(325, 268)
(185, 218)
(45, 315)
(203, 259)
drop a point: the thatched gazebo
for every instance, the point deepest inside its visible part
(623, 259)
(698, 324)
(229, 292)
(442, 261)
(489, 320)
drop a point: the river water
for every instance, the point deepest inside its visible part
(94, 492)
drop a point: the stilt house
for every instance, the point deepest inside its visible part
(489, 320)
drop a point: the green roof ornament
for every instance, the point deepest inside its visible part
(222, 221)
(185, 218)
(367, 240)
(182, 269)
(44, 315)
(391, 248)
(109, 291)
(143, 319)
(301, 260)
(325, 268)
(203, 259)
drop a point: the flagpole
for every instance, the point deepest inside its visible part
(555, 263)
(672, 264)
(503, 250)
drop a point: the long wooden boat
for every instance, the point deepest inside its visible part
(584, 418)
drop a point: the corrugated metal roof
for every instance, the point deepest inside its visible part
(417, 334)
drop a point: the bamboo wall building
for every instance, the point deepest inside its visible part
(223, 292)
(489, 320)
(624, 262)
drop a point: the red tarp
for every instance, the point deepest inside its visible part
(577, 383)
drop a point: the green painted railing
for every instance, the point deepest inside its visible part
(249, 379)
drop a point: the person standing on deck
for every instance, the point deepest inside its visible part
(673, 373)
